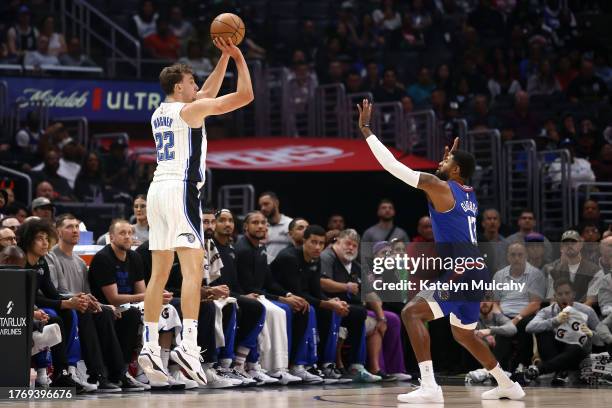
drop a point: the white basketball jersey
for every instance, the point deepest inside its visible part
(181, 150)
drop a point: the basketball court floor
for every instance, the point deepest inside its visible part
(372, 396)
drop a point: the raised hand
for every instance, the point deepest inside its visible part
(365, 115)
(227, 47)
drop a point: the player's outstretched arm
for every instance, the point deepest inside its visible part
(195, 112)
(424, 181)
(211, 86)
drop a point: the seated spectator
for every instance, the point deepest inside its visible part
(565, 72)
(74, 56)
(7, 237)
(580, 169)
(493, 324)
(544, 81)
(354, 82)
(420, 92)
(372, 79)
(586, 87)
(89, 184)
(299, 270)
(482, 117)
(22, 37)
(104, 353)
(341, 277)
(116, 277)
(298, 95)
(12, 256)
(19, 211)
(278, 224)
(255, 278)
(493, 246)
(390, 90)
(520, 306)
(57, 42)
(502, 83)
(163, 44)
(573, 267)
(141, 228)
(602, 165)
(43, 208)
(41, 56)
(28, 137)
(336, 222)
(604, 332)
(385, 229)
(388, 20)
(536, 249)
(564, 332)
(201, 65)
(50, 173)
(34, 241)
(521, 123)
(591, 213)
(143, 23)
(527, 224)
(117, 167)
(181, 28)
(11, 222)
(589, 231)
(297, 226)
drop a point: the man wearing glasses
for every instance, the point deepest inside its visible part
(7, 237)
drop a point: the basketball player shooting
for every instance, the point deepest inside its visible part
(173, 205)
(453, 210)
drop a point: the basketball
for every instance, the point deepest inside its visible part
(228, 26)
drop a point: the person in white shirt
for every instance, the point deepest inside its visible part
(278, 224)
(41, 56)
(580, 169)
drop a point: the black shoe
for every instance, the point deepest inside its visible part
(532, 373)
(105, 386)
(64, 380)
(607, 379)
(386, 377)
(127, 385)
(560, 379)
(326, 379)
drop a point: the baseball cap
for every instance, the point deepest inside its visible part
(41, 202)
(571, 235)
(380, 245)
(534, 237)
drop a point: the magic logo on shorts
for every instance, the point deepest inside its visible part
(190, 237)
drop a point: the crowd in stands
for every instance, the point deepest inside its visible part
(296, 300)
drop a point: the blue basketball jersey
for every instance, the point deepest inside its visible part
(458, 224)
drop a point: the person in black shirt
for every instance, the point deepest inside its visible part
(299, 270)
(256, 279)
(33, 239)
(251, 308)
(116, 277)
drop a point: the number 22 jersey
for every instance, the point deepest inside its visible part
(181, 150)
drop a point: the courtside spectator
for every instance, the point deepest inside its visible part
(278, 224)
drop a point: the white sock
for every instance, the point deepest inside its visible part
(165, 357)
(190, 331)
(225, 362)
(241, 355)
(427, 374)
(502, 379)
(150, 334)
(251, 366)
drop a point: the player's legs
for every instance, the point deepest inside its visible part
(191, 260)
(187, 354)
(150, 355)
(464, 334)
(414, 316)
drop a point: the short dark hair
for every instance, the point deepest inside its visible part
(562, 281)
(209, 211)
(222, 210)
(466, 162)
(141, 196)
(63, 217)
(385, 201)
(271, 194)
(295, 221)
(314, 230)
(172, 75)
(26, 233)
(250, 214)
(115, 221)
(585, 224)
(527, 210)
